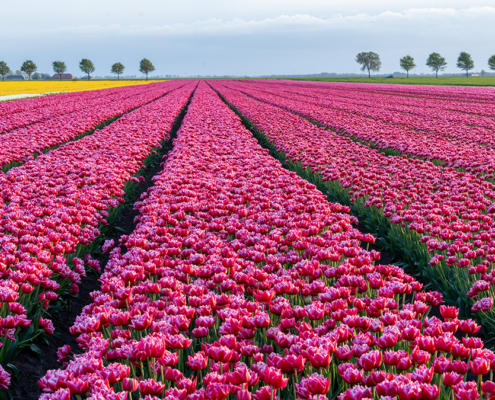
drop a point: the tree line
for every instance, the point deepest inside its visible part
(371, 61)
(85, 65)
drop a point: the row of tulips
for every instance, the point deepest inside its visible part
(59, 105)
(53, 208)
(242, 281)
(458, 153)
(25, 143)
(440, 220)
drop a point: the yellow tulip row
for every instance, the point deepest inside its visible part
(40, 87)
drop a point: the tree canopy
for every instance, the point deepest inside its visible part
(87, 67)
(117, 68)
(59, 68)
(407, 63)
(369, 61)
(4, 69)
(28, 67)
(436, 62)
(145, 67)
(491, 62)
(465, 62)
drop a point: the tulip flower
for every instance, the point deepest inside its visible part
(410, 391)
(479, 366)
(317, 384)
(149, 386)
(275, 378)
(466, 391)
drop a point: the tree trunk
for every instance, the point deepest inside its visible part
(118, 77)
(369, 73)
(88, 76)
(436, 74)
(467, 74)
(146, 76)
(407, 74)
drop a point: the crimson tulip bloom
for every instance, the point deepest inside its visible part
(317, 384)
(479, 366)
(466, 391)
(217, 391)
(488, 388)
(410, 391)
(370, 360)
(429, 392)
(275, 378)
(452, 378)
(149, 386)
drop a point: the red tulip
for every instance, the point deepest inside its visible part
(275, 378)
(429, 392)
(466, 391)
(149, 386)
(479, 366)
(410, 391)
(452, 378)
(317, 384)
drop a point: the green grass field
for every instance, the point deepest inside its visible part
(451, 81)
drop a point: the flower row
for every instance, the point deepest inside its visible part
(51, 207)
(241, 279)
(40, 87)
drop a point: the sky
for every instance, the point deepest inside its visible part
(248, 37)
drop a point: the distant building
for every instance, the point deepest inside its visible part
(474, 74)
(14, 77)
(64, 76)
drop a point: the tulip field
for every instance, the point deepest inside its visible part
(253, 269)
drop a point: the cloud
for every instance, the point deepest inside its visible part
(414, 18)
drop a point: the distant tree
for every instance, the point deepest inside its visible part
(465, 62)
(407, 63)
(28, 67)
(59, 68)
(87, 67)
(4, 69)
(483, 72)
(18, 73)
(45, 76)
(117, 68)
(436, 62)
(145, 67)
(491, 62)
(36, 76)
(369, 61)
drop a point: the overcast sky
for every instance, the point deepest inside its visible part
(253, 37)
